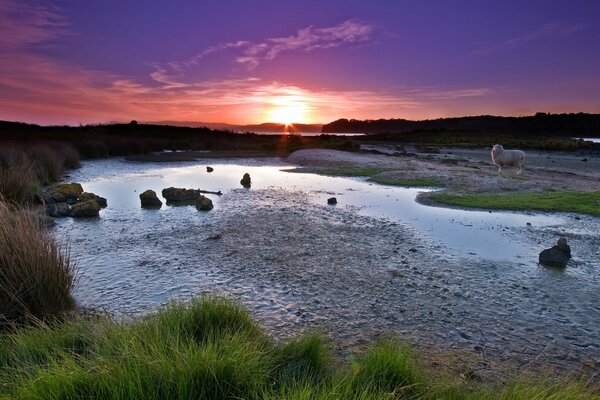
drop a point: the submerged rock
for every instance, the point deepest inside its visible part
(86, 209)
(245, 182)
(149, 199)
(332, 200)
(180, 196)
(556, 256)
(203, 203)
(85, 196)
(57, 210)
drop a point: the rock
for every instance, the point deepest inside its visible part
(180, 196)
(332, 200)
(203, 203)
(58, 210)
(63, 193)
(556, 256)
(86, 209)
(209, 169)
(245, 182)
(149, 199)
(85, 196)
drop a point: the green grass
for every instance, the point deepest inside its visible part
(352, 171)
(417, 182)
(212, 349)
(563, 201)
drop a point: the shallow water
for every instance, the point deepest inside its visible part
(377, 261)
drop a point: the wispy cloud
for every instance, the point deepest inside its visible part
(27, 23)
(545, 31)
(307, 39)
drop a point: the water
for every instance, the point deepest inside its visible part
(377, 261)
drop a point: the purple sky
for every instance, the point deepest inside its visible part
(72, 61)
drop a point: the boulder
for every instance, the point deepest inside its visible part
(63, 193)
(332, 200)
(58, 210)
(85, 196)
(245, 182)
(203, 203)
(180, 196)
(85, 209)
(209, 169)
(556, 256)
(149, 199)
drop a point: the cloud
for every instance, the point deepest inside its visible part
(545, 31)
(29, 23)
(306, 40)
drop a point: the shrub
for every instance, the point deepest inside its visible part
(36, 274)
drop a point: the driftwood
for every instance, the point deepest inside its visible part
(209, 192)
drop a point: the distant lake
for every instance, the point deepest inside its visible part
(308, 133)
(595, 140)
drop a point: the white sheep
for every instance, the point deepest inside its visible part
(501, 157)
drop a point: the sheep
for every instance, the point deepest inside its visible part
(502, 158)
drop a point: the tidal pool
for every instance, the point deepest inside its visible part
(375, 262)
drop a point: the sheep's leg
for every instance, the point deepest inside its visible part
(519, 171)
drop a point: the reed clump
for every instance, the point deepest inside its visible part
(36, 273)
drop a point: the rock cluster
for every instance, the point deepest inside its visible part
(69, 200)
(180, 196)
(556, 256)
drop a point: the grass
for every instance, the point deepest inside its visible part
(211, 348)
(352, 171)
(36, 274)
(559, 201)
(25, 169)
(417, 182)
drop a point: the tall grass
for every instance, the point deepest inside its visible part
(25, 169)
(188, 352)
(36, 274)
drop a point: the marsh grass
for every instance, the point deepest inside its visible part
(36, 274)
(558, 201)
(417, 182)
(17, 178)
(185, 351)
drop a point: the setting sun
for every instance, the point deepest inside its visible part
(287, 111)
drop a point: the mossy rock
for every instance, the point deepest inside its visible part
(149, 199)
(58, 210)
(180, 196)
(86, 209)
(85, 196)
(245, 181)
(203, 203)
(63, 193)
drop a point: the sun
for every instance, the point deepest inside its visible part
(287, 111)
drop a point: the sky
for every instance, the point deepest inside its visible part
(72, 62)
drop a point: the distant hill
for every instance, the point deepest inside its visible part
(580, 124)
(266, 127)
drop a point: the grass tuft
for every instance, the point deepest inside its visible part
(36, 274)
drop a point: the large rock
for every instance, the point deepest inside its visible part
(149, 199)
(85, 196)
(203, 203)
(180, 196)
(86, 209)
(332, 200)
(556, 256)
(245, 182)
(58, 210)
(63, 193)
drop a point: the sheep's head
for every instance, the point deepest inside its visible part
(497, 148)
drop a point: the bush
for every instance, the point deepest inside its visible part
(36, 274)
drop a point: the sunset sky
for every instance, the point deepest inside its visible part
(78, 62)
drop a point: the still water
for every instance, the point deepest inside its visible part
(377, 261)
